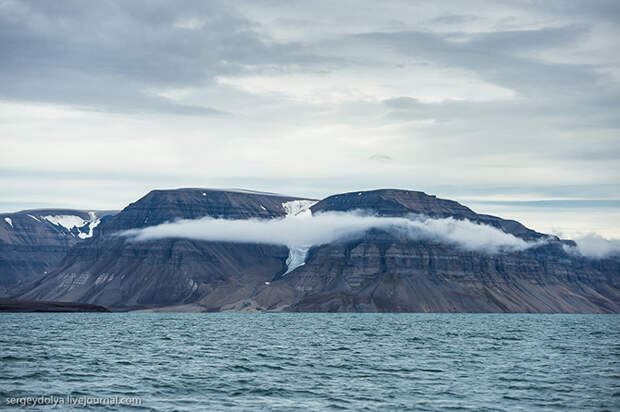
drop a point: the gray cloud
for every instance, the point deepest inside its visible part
(518, 102)
(115, 56)
(497, 57)
(403, 103)
(555, 204)
(377, 157)
(455, 19)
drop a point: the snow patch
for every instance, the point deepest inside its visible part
(73, 221)
(297, 209)
(66, 221)
(9, 221)
(35, 218)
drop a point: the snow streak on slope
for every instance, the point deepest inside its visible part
(297, 209)
(9, 221)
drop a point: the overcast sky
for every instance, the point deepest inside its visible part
(499, 105)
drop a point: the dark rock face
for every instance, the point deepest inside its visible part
(394, 202)
(33, 242)
(16, 305)
(380, 273)
(377, 272)
(400, 203)
(111, 271)
(160, 206)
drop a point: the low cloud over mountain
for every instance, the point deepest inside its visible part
(293, 231)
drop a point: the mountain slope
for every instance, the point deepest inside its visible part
(378, 271)
(120, 274)
(381, 273)
(33, 242)
(400, 203)
(385, 273)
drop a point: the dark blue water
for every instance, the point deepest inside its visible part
(316, 361)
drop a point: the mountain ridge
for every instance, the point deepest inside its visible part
(34, 241)
(376, 272)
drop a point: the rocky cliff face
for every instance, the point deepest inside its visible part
(400, 203)
(384, 273)
(120, 274)
(378, 271)
(33, 242)
(160, 206)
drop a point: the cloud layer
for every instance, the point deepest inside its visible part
(511, 100)
(595, 246)
(295, 232)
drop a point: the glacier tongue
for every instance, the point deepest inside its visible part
(296, 258)
(297, 209)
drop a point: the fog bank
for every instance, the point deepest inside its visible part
(595, 246)
(295, 231)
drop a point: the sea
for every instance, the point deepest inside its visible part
(297, 361)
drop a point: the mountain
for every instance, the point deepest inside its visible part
(400, 203)
(33, 242)
(378, 270)
(121, 275)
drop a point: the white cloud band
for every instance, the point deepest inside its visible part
(329, 227)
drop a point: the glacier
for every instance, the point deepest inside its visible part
(297, 209)
(73, 221)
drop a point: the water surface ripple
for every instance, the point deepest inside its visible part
(225, 361)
